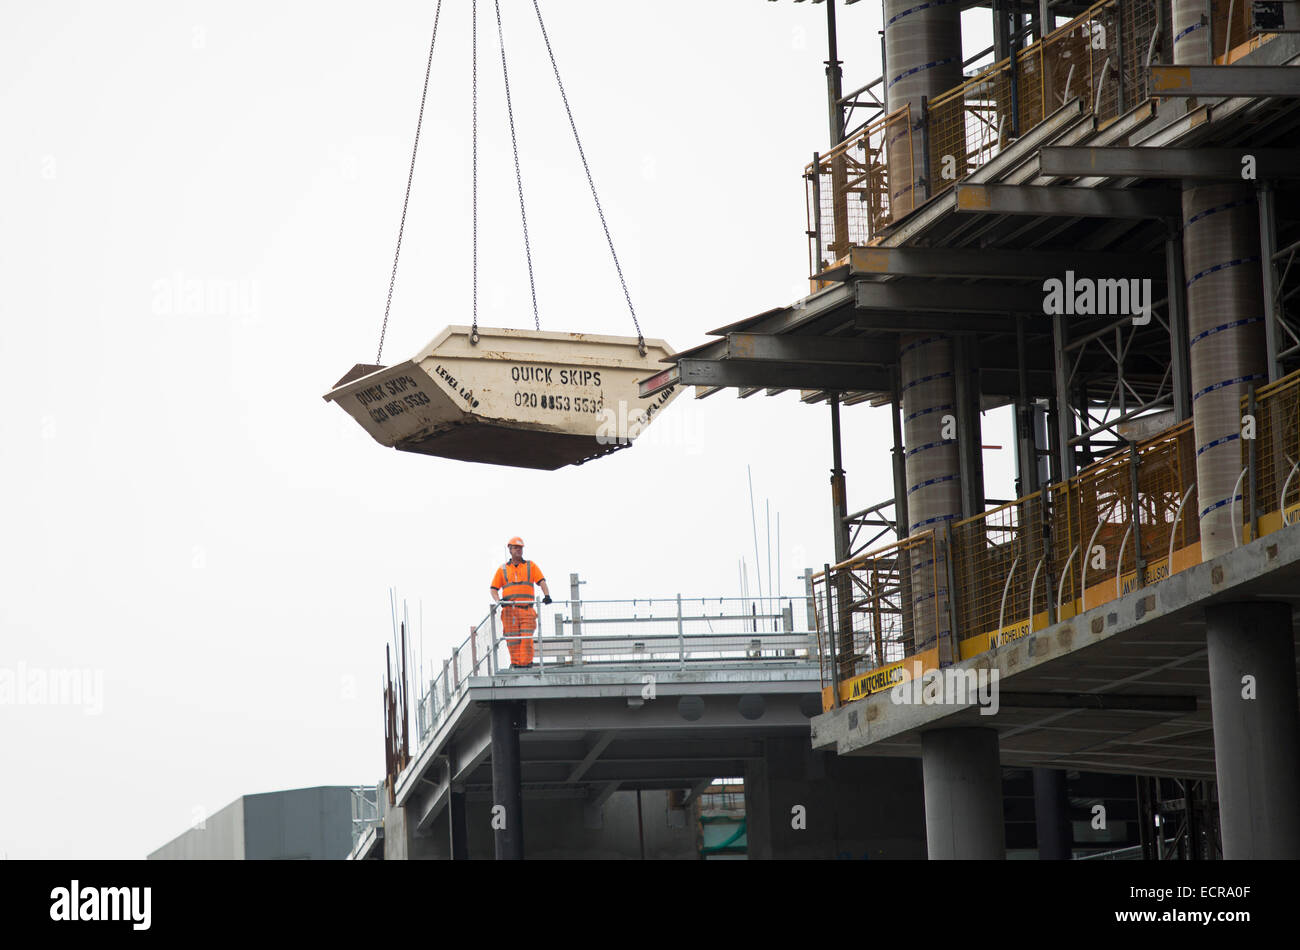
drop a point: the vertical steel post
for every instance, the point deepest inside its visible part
(1267, 250)
(1121, 101)
(969, 450)
(1139, 562)
(492, 656)
(1015, 86)
(810, 594)
(834, 77)
(1064, 413)
(902, 526)
(954, 638)
(817, 211)
(923, 123)
(1179, 344)
(830, 636)
(681, 634)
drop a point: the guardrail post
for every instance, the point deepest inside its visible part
(953, 651)
(1014, 75)
(492, 656)
(828, 586)
(681, 633)
(1121, 97)
(810, 610)
(1252, 459)
(1139, 562)
(473, 649)
(537, 630)
(1046, 507)
(923, 125)
(817, 210)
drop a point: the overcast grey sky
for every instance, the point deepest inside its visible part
(198, 206)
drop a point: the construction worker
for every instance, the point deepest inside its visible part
(513, 584)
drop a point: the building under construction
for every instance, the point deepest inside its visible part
(1093, 221)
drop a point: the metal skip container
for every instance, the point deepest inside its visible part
(522, 398)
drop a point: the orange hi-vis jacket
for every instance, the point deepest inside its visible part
(516, 583)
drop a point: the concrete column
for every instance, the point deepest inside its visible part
(1256, 728)
(458, 826)
(963, 794)
(507, 788)
(1052, 816)
(1225, 317)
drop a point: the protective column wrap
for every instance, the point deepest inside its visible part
(1191, 33)
(929, 401)
(922, 58)
(1225, 316)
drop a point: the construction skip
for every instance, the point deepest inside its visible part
(523, 398)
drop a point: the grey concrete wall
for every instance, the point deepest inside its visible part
(221, 838)
(302, 824)
(565, 829)
(852, 807)
(401, 843)
(305, 823)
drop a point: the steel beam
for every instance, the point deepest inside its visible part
(770, 375)
(1267, 248)
(791, 348)
(1063, 201)
(597, 747)
(1235, 80)
(1103, 701)
(1143, 162)
(997, 262)
(898, 296)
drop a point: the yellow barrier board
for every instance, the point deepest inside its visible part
(983, 642)
(1098, 594)
(881, 679)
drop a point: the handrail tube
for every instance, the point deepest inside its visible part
(1033, 584)
(1173, 532)
(1232, 510)
(1083, 570)
(1065, 572)
(1002, 611)
(1281, 499)
(1119, 563)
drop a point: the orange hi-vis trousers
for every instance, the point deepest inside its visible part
(519, 624)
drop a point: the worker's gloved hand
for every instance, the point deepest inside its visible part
(546, 599)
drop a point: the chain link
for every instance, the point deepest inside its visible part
(519, 179)
(586, 168)
(473, 335)
(410, 177)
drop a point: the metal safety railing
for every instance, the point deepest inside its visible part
(896, 163)
(365, 811)
(645, 634)
(849, 192)
(1127, 521)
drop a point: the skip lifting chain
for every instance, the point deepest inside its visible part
(519, 181)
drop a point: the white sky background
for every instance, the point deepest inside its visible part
(180, 509)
